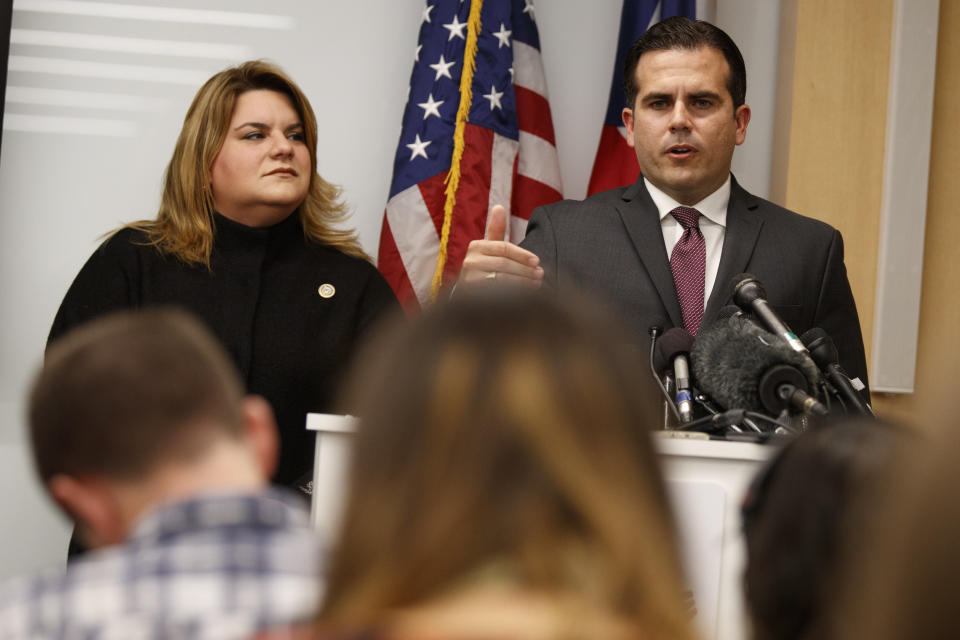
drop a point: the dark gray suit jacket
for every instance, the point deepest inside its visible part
(611, 246)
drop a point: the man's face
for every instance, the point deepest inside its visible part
(683, 126)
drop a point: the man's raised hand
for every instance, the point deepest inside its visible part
(494, 258)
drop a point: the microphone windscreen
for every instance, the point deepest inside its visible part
(728, 311)
(674, 342)
(739, 320)
(728, 363)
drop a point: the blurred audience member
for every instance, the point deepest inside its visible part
(796, 520)
(504, 484)
(141, 433)
(906, 570)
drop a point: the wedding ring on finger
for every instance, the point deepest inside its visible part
(491, 276)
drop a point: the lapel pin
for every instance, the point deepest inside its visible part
(326, 290)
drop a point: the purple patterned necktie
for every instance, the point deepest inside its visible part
(688, 263)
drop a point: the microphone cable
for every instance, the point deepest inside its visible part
(654, 332)
(733, 417)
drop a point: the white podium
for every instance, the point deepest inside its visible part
(331, 457)
(706, 480)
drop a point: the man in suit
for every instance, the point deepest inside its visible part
(663, 251)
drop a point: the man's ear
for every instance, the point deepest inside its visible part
(92, 506)
(742, 118)
(627, 116)
(261, 433)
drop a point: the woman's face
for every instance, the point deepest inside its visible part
(262, 172)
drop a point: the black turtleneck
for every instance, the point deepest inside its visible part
(261, 298)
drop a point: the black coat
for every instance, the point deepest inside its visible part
(261, 298)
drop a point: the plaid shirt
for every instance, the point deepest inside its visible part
(217, 566)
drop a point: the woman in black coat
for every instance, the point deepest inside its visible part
(247, 239)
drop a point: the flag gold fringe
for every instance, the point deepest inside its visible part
(463, 114)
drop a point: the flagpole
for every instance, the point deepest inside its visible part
(463, 114)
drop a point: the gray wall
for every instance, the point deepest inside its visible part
(77, 160)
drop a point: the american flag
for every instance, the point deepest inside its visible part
(616, 163)
(477, 131)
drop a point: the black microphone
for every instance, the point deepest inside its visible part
(655, 332)
(824, 352)
(673, 349)
(784, 387)
(749, 295)
(753, 370)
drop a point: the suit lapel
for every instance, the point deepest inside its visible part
(743, 229)
(642, 221)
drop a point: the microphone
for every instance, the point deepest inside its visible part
(824, 352)
(749, 295)
(754, 370)
(673, 349)
(784, 387)
(654, 332)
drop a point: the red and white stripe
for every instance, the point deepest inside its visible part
(519, 174)
(537, 179)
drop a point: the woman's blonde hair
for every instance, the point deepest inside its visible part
(513, 431)
(184, 225)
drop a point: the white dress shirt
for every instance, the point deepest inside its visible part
(713, 226)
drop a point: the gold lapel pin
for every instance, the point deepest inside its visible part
(326, 290)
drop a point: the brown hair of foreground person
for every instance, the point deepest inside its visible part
(133, 391)
(905, 572)
(504, 483)
(802, 514)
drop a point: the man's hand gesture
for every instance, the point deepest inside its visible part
(494, 258)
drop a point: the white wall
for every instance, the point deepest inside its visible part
(755, 27)
(60, 190)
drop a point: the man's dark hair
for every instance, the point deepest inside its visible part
(683, 33)
(125, 392)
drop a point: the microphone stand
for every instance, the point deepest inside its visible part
(731, 418)
(704, 402)
(667, 404)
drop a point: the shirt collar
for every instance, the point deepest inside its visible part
(230, 233)
(270, 507)
(713, 207)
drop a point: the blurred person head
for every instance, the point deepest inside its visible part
(504, 482)
(247, 149)
(138, 408)
(801, 515)
(905, 572)
(685, 84)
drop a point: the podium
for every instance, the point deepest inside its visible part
(706, 482)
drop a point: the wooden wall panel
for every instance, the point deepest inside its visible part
(834, 159)
(938, 357)
(828, 163)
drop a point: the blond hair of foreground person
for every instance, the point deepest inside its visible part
(504, 484)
